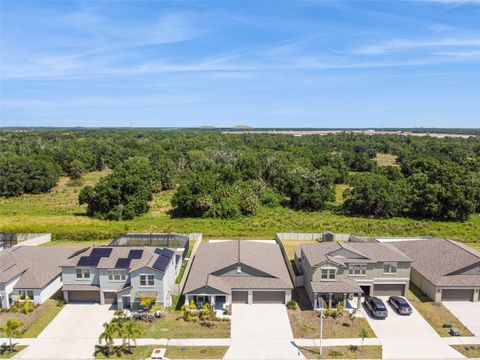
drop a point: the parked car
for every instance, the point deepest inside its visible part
(376, 307)
(401, 305)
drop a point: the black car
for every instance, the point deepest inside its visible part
(376, 307)
(400, 305)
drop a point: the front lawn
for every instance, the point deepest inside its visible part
(172, 326)
(344, 352)
(173, 352)
(37, 320)
(434, 313)
(470, 351)
(8, 355)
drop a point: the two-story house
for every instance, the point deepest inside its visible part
(120, 275)
(336, 271)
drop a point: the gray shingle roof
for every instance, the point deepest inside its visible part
(437, 259)
(37, 265)
(371, 252)
(212, 257)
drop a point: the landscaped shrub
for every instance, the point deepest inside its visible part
(292, 305)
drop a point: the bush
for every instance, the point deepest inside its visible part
(346, 324)
(292, 305)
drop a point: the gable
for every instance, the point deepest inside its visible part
(206, 290)
(345, 254)
(473, 269)
(328, 264)
(246, 271)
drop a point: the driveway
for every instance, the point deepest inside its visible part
(73, 333)
(409, 337)
(261, 331)
(467, 312)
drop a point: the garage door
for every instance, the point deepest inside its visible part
(240, 297)
(389, 289)
(457, 294)
(84, 296)
(110, 297)
(269, 297)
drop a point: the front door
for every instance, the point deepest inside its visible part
(126, 302)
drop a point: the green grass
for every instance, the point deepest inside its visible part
(386, 160)
(58, 212)
(470, 351)
(8, 354)
(172, 326)
(436, 314)
(344, 352)
(173, 352)
(475, 246)
(36, 321)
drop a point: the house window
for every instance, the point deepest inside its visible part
(116, 275)
(328, 274)
(390, 268)
(357, 270)
(147, 280)
(82, 273)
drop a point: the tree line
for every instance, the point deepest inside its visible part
(230, 175)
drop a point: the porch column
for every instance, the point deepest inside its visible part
(344, 300)
(315, 301)
(330, 300)
(187, 300)
(250, 297)
(212, 300)
(359, 300)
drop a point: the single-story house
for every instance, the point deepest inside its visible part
(31, 271)
(121, 275)
(444, 270)
(246, 272)
(337, 271)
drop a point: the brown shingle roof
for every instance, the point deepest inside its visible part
(437, 259)
(38, 265)
(371, 252)
(212, 257)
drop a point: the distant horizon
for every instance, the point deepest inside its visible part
(267, 64)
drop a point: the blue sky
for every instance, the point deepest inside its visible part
(223, 63)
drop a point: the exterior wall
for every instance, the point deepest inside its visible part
(48, 291)
(69, 276)
(6, 289)
(426, 286)
(137, 289)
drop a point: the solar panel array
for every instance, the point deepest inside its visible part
(101, 252)
(88, 261)
(123, 263)
(164, 258)
(135, 254)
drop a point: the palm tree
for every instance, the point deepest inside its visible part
(109, 331)
(11, 330)
(131, 330)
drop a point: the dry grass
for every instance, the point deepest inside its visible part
(173, 352)
(344, 352)
(475, 246)
(470, 351)
(435, 313)
(386, 160)
(339, 190)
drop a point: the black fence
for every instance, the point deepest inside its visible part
(154, 239)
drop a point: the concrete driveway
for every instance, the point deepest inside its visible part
(261, 331)
(73, 333)
(409, 337)
(467, 312)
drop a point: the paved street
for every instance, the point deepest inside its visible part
(73, 334)
(261, 331)
(409, 337)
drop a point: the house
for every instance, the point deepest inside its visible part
(245, 272)
(337, 271)
(444, 270)
(30, 270)
(120, 275)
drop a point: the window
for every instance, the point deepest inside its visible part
(82, 273)
(328, 274)
(147, 280)
(24, 293)
(390, 268)
(116, 275)
(357, 270)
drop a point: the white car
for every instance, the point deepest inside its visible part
(158, 354)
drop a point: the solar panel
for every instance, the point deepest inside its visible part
(123, 263)
(135, 254)
(158, 251)
(101, 252)
(161, 263)
(168, 253)
(88, 261)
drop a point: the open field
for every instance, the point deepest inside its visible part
(386, 160)
(343, 352)
(436, 314)
(58, 212)
(173, 352)
(475, 246)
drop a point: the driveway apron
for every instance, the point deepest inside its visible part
(261, 331)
